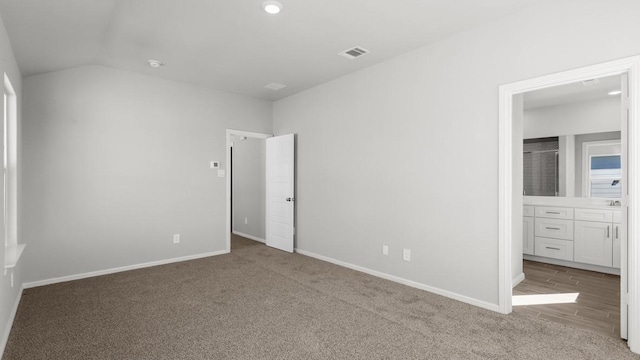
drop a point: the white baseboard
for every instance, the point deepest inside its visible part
(517, 280)
(120, 269)
(12, 317)
(414, 284)
(577, 265)
(251, 237)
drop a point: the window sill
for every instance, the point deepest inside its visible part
(12, 255)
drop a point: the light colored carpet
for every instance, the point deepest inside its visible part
(260, 303)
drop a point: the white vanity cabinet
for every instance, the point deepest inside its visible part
(617, 235)
(554, 232)
(588, 238)
(594, 237)
(593, 243)
(528, 234)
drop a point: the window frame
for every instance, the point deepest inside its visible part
(597, 149)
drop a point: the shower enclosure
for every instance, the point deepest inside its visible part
(540, 162)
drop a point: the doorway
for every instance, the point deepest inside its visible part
(510, 189)
(245, 185)
(278, 195)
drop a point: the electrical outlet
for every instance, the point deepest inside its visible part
(246, 221)
(385, 250)
(406, 254)
(176, 238)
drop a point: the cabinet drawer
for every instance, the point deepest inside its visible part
(528, 210)
(594, 215)
(554, 212)
(554, 228)
(552, 248)
(617, 216)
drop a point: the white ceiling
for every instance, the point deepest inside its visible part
(234, 45)
(572, 93)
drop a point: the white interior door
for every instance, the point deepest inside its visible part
(624, 261)
(280, 192)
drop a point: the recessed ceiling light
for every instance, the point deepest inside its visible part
(155, 63)
(272, 7)
(615, 92)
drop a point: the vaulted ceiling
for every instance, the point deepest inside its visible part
(233, 45)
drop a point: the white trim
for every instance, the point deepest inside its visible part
(250, 237)
(120, 269)
(11, 170)
(505, 200)
(631, 66)
(232, 132)
(414, 284)
(12, 317)
(573, 264)
(517, 280)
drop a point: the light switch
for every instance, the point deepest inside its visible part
(221, 173)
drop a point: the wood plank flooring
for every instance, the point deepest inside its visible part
(597, 308)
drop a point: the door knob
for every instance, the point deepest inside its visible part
(291, 199)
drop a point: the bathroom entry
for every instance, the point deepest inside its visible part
(573, 166)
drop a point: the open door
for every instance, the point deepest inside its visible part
(280, 192)
(623, 239)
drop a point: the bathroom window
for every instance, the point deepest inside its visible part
(603, 169)
(605, 174)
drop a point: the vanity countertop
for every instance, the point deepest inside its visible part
(584, 203)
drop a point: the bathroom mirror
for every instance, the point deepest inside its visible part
(571, 144)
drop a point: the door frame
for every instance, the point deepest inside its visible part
(631, 66)
(230, 133)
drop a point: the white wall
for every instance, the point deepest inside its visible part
(115, 163)
(249, 186)
(585, 117)
(9, 295)
(405, 153)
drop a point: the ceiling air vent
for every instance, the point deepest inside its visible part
(353, 53)
(275, 86)
(590, 82)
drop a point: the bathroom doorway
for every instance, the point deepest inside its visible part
(512, 205)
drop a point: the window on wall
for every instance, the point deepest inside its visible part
(603, 169)
(605, 174)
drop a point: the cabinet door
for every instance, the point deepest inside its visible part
(593, 243)
(616, 246)
(527, 235)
